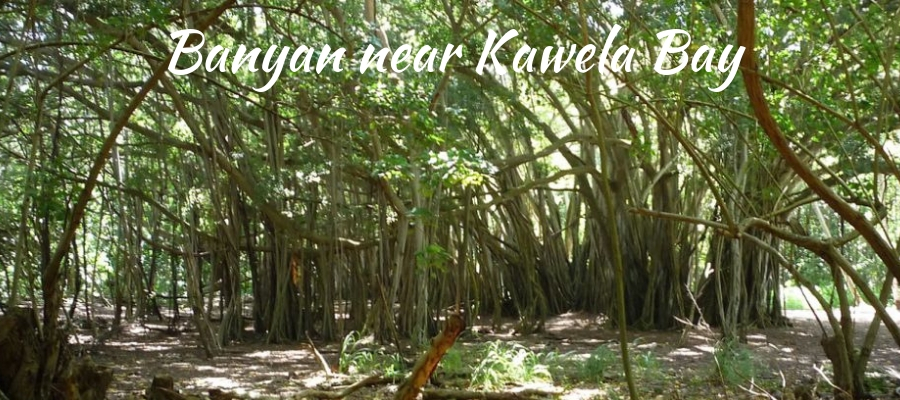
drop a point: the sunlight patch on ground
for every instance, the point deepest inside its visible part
(861, 314)
(684, 352)
(135, 329)
(547, 387)
(211, 369)
(647, 346)
(572, 320)
(893, 372)
(283, 354)
(250, 368)
(540, 386)
(566, 342)
(314, 381)
(784, 349)
(705, 348)
(141, 346)
(79, 338)
(216, 382)
(583, 394)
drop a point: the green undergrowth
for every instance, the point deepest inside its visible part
(733, 364)
(357, 358)
(495, 365)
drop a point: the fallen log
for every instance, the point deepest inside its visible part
(428, 362)
(163, 389)
(327, 394)
(447, 394)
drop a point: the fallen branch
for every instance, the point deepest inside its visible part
(326, 394)
(163, 388)
(445, 394)
(321, 359)
(428, 362)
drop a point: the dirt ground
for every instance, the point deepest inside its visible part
(784, 356)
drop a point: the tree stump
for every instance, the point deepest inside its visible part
(20, 362)
(19, 351)
(163, 388)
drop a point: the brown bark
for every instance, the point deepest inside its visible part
(847, 385)
(163, 388)
(429, 361)
(19, 345)
(20, 356)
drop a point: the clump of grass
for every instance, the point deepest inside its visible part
(598, 363)
(647, 366)
(605, 363)
(559, 365)
(355, 359)
(506, 363)
(877, 384)
(733, 364)
(454, 363)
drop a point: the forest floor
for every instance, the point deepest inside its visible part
(574, 356)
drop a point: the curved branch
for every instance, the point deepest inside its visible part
(747, 38)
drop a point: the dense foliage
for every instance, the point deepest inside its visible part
(376, 202)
